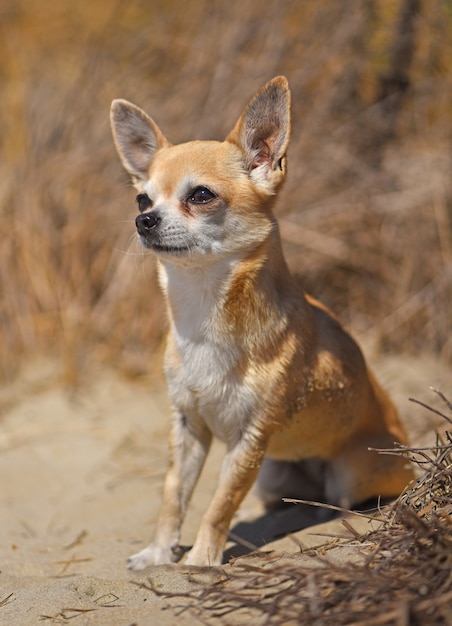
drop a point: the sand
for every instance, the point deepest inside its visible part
(81, 475)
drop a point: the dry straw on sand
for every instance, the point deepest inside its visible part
(401, 574)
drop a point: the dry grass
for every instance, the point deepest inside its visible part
(366, 210)
(401, 574)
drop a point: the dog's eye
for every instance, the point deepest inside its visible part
(201, 195)
(143, 201)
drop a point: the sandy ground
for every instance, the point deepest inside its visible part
(81, 475)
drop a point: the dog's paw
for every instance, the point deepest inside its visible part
(203, 557)
(152, 555)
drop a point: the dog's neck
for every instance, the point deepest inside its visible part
(195, 295)
(220, 299)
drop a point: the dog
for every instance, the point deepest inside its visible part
(250, 359)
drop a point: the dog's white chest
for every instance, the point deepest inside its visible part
(206, 386)
(204, 380)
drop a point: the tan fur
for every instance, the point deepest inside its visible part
(250, 358)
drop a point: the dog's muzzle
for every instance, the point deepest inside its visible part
(147, 222)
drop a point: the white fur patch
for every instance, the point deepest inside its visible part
(206, 386)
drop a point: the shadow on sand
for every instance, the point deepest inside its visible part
(273, 525)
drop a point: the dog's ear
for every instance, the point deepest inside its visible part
(137, 138)
(262, 132)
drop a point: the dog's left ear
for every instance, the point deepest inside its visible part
(263, 131)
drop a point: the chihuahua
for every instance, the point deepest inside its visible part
(250, 358)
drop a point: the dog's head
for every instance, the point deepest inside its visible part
(206, 199)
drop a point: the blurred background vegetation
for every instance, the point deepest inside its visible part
(366, 212)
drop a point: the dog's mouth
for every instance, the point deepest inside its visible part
(170, 249)
(158, 247)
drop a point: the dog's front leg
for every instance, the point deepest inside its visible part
(239, 471)
(188, 451)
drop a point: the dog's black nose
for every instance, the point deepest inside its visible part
(146, 222)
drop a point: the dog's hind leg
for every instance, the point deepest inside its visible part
(359, 472)
(304, 479)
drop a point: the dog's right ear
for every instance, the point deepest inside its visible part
(137, 138)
